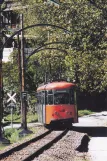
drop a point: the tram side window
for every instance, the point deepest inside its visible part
(50, 97)
(72, 96)
(40, 97)
(46, 95)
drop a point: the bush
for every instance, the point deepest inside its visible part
(12, 134)
(84, 112)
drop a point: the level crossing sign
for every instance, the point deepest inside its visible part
(11, 97)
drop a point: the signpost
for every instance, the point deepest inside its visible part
(12, 105)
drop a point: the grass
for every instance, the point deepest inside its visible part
(12, 134)
(83, 158)
(17, 118)
(84, 112)
(33, 117)
(2, 146)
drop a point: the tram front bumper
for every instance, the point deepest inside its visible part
(62, 121)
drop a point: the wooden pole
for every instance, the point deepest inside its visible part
(23, 100)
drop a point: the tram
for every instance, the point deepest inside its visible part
(56, 103)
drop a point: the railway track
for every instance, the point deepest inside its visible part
(34, 147)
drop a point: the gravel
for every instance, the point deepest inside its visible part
(72, 147)
(39, 130)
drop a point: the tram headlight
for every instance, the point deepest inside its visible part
(68, 113)
(56, 113)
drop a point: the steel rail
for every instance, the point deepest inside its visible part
(22, 145)
(46, 146)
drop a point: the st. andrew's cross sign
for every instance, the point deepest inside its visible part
(11, 97)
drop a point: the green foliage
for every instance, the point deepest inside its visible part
(31, 117)
(10, 73)
(85, 62)
(16, 118)
(84, 112)
(12, 134)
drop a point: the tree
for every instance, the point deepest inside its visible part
(87, 21)
(10, 73)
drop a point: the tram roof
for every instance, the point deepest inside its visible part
(56, 85)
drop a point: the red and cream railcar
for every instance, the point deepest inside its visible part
(56, 103)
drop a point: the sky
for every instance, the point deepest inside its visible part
(6, 53)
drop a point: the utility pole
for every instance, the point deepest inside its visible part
(23, 92)
(19, 61)
(0, 73)
(23, 104)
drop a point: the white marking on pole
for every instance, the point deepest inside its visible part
(11, 97)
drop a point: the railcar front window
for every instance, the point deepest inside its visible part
(61, 98)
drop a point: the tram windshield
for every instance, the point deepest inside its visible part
(61, 98)
(56, 97)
